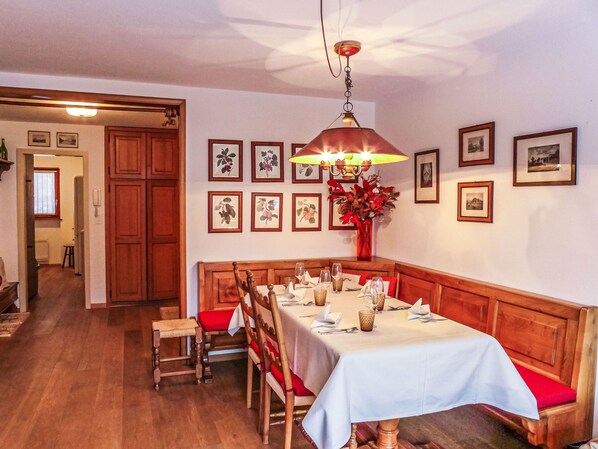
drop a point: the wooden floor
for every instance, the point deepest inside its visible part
(76, 378)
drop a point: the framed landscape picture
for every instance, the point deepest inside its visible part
(305, 173)
(427, 183)
(334, 219)
(38, 138)
(545, 159)
(267, 162)
(307, 211)
(266, 212)
(476, 145)
(225, 211)
(67, 140)
(225, 160)
(475, 201)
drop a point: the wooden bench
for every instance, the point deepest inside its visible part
(551, 342)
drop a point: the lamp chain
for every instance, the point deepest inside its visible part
(348, 106)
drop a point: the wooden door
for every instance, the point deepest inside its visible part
(163, 239)
(32, 278)
(127, 154)
(162, 155)
(128, 264)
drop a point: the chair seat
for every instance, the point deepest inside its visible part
(215, 320)
(298, 387)
(392, 283)
(548, 392)
(184, 327)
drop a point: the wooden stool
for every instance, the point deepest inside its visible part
(176, 329)
(69, 252)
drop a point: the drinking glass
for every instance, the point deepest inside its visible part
(336, 271)
(300, 271)
(376, 288)
(325, 279)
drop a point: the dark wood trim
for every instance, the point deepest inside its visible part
(182, 134)
(254, 196)
(294, 211)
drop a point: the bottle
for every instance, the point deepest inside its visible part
(3, 151)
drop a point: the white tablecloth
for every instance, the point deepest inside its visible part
(402, 368)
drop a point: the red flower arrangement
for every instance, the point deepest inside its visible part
(362, 203)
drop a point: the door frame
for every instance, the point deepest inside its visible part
(22, 217)
(128, 101)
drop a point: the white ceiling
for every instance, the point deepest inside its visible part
(275, 45)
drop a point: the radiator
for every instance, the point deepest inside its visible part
(42, 251)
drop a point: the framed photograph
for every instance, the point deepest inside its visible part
(545, 159)
(307, 211)
(266, 212)
(427, 182)
(38, 138)
(334, 219)
(305, 173)
(475, 201)
(225, 213)
(267, 162)
(225, 160)
(67, 140)
(476, 145)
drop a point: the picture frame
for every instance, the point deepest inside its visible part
(427, 177)
(38, 138)
(305, 173)
(266, 212)
(344, 179)
(267, 162)
(307, 212)
(545, 159)
(476, 145)
(334, 222)
(67, 140)
(475, 201)
(225, 160)
(225, 212)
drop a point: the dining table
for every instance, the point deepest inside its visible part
(402, 368)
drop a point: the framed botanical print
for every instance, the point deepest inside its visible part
(266, 212)
(476, 145)
(307, 211)
(225, 160)
(267, 162)
(545, 159)
(305, 173)
(475, 201)
(427, 182)
(225, 211)
(334, 219)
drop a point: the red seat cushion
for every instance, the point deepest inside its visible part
(547, 391)
(392, 283)
(298, 387)
(215, 320)
(253, 345)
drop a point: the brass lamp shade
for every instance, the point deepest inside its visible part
(357, 145)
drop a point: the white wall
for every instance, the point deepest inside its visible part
(59, 233)
(217, 114)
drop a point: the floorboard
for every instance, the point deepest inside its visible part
(76, 378)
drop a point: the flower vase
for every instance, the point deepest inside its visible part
(364, 239)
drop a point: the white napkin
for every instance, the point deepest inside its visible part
(418, 310)
(365, 290)
(291, 293)
(326, 318)
(309, 281)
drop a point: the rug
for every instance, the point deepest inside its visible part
(10, 322)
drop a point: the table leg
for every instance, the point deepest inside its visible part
(388, 432)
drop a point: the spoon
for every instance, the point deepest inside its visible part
(348, 330)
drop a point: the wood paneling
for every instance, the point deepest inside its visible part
(466, 308)
(163, 156)
(412, 288)
(127, 154)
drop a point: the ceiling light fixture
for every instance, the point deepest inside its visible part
(81, 110)
(350, 150)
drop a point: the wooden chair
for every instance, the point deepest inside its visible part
(213, 323)
(278, 376)
(254, 357)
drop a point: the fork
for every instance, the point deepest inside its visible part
(391, 308)
(348, 330)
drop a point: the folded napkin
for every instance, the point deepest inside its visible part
(326, 318)
(365, 290)
(418, 310)
(293, 294)
(308, 281)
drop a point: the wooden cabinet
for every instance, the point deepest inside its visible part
(143, 215)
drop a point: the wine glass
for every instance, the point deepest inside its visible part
(376, 288)
(336, 271)
(300, 271)
(325, 279)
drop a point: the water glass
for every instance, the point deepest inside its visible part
(320, 295)
(337, 284)
(325, 277)
(366, 320)
(336, 271)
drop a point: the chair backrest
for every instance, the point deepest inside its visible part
(246, 308)
(390, 280)
(270, 333)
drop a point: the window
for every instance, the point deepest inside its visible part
(46, 193)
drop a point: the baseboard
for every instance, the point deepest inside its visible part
(100, 305)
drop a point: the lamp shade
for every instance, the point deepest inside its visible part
(356, 144)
